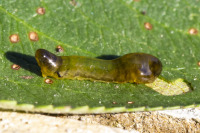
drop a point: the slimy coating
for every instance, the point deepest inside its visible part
(131, 68)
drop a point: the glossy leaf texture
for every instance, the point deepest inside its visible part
(103, 29)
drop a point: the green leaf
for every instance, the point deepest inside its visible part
(95, 28)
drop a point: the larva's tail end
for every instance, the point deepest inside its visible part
(48, 62)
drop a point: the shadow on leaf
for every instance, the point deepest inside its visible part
(26, 62)
(107, 57)
(29, 63)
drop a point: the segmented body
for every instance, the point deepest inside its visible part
(132, 68)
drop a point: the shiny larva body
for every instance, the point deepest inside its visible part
(132, 68)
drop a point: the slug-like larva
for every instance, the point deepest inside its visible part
(132, 68)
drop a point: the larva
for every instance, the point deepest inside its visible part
(132, 68)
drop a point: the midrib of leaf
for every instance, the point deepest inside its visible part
(12, 81)
(50, 38)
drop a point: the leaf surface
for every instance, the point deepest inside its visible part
(95, 28)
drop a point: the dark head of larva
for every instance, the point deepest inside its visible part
(150, 67)
(48, 62)
(141, 67)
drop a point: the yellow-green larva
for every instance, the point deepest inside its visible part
(132, 68)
